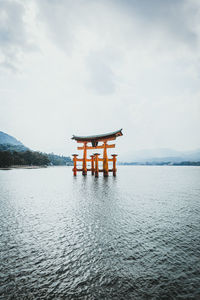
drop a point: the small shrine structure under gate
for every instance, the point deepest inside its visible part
(94, 140)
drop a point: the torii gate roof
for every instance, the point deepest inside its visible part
(99, 137)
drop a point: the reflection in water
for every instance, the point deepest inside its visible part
(135, 236)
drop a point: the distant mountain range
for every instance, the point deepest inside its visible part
(13, 151)
(160, 155)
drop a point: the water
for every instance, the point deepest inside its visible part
(136, 236)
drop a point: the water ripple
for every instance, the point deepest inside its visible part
(135, 236)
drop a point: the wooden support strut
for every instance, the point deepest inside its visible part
(114, 164)
(85, 159)
(105, 160)
(75, 160)
(96, 156)
(92, 164)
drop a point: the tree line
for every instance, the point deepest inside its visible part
(30, 158)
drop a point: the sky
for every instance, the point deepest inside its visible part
(94, 66)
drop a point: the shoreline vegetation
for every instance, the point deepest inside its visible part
(31, 159)
(30, 167)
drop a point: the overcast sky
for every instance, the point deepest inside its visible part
(95, 66)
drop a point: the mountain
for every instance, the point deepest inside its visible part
(13, 152)
(160, 155)
(8, 139)
(8, 142)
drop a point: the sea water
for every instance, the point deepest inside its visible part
(134, 236)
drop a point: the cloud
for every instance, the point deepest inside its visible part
(101, 77)
(14, 38)
(140, 34)
(173, 17)
(102, 65)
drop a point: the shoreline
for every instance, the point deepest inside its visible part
(22, 167)
(29, 167)
(42, 167)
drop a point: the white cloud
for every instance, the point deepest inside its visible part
(14, 35)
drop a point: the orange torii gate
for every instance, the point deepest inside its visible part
(94, 140)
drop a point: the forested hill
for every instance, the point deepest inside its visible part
(13, 152)
(9, 143)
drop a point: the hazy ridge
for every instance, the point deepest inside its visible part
(160, 155)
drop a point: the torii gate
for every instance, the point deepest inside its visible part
(94, 140)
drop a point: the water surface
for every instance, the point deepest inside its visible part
(136, 236)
